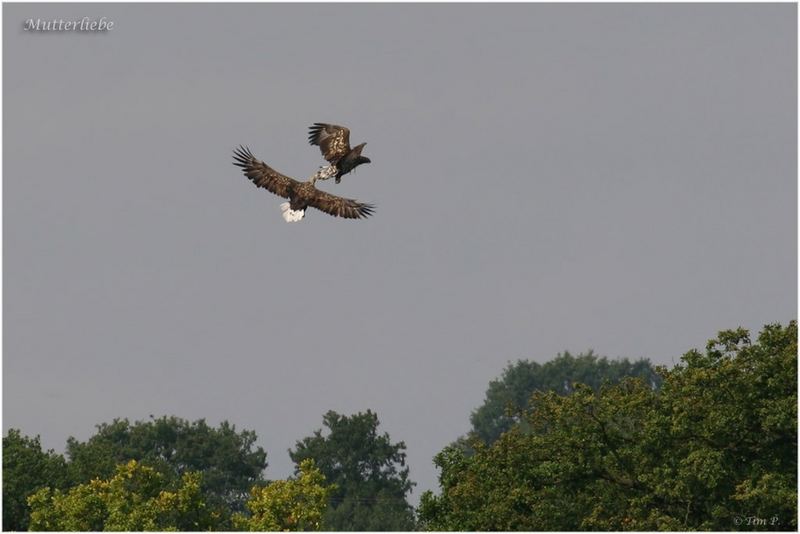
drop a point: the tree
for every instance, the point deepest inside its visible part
(228, 460)
(368, 470)
(136, 498)
(288, 505)
(26, 469)
(714, 449)
(730, 417)
(547, 474)
(508, 397)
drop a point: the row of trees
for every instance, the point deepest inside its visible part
(577, 443)
(172, 474)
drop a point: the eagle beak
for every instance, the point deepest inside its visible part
(367, 160)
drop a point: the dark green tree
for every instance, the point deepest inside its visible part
(714, 449)
(729, 415)
(228, 460)
(548, 474)
(26, 469)
(508, 396)
(368, 470)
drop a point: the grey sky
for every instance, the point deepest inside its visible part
(547, 177)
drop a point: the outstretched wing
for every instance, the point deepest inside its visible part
(262, 174)
(333, 140)
(339, 206)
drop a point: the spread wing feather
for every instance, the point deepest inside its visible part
(262, 174)
(339, 206)
(304, 193)
(333, 140)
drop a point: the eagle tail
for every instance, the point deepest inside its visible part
(290, 215)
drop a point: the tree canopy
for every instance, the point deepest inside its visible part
(26, 469)
(288, 505)
(714, 449)
(137, 497)
(228, 460)
(710, 444)
(507, 397)
(368, 470)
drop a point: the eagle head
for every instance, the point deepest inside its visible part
(359, 158)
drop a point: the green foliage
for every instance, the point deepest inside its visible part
(544, 477)
(288, 505)
(368, 470)
(26, 469)
(733, 430)
(708, 445)
(228, 460)
(508, 397)
(714, 449)
(136, 498)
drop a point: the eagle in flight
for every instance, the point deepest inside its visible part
(301, 194)
(334, 143)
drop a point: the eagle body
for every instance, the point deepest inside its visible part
(301, 195)
(334, 143)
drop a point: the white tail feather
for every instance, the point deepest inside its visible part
(290, 215)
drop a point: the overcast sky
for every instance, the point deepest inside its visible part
(547, 178)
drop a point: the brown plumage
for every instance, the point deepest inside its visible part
(334, 143)
(300, 194)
